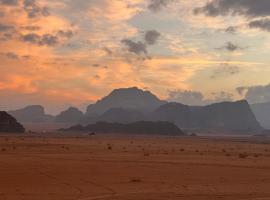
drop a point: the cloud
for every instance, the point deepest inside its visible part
(46, 39)
(187, 97)
(66, 34)
(151, 37)
(231, 29)
(30, 28)
(108, 50)
(225, 70)
(138, 48)
(6, 32)
(229, 46)
(157, 5)
(247, 8)
(9, 2)
(196, 98)
(263, 24)
(33, 9)
(255, 94)
(5, 28)
(256, 12)
(10, 55)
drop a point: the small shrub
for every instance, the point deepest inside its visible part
(243, 155)
(146, 154)
(135, 180)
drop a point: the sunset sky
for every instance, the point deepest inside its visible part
(59, 53)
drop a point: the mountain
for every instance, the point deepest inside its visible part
(71, 115)
(129, 105)
(31, 114)
(176, 113)
(262, 113)
(141, 127)
(236, 116)
(9, 124)
(231, 116)
(128, 99)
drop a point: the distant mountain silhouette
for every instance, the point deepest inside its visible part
(234, 116)
(128, 105)
(141, 127)
(128, 99)
(71, 115)
(9, 124)
(121, 115)
(177, 113)
(31, 114)
(262, 113)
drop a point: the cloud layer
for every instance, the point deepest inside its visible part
(77, 51)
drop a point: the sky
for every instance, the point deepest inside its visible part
(74, 52)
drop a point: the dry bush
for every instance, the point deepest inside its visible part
(182, 150)
(243, 155)
(146, 154)
(135, 180)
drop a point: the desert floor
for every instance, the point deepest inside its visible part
(133, 168)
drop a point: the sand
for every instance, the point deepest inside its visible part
(134, 168)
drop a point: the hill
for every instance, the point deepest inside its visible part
(140, 128)
(71, 115)
(31, 114)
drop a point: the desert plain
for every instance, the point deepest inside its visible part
(117, 167)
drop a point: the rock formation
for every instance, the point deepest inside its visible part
(71, 115)
(9, 124)
(31, 114)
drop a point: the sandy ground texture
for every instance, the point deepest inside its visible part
(134, 168)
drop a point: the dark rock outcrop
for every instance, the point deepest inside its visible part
(31, 114)
(138, 128)
(9, 124)
(71, 115)
(126, 98)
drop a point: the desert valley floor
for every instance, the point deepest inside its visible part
(134, 168)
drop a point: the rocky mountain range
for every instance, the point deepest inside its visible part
(129, 105)
(232, 116)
